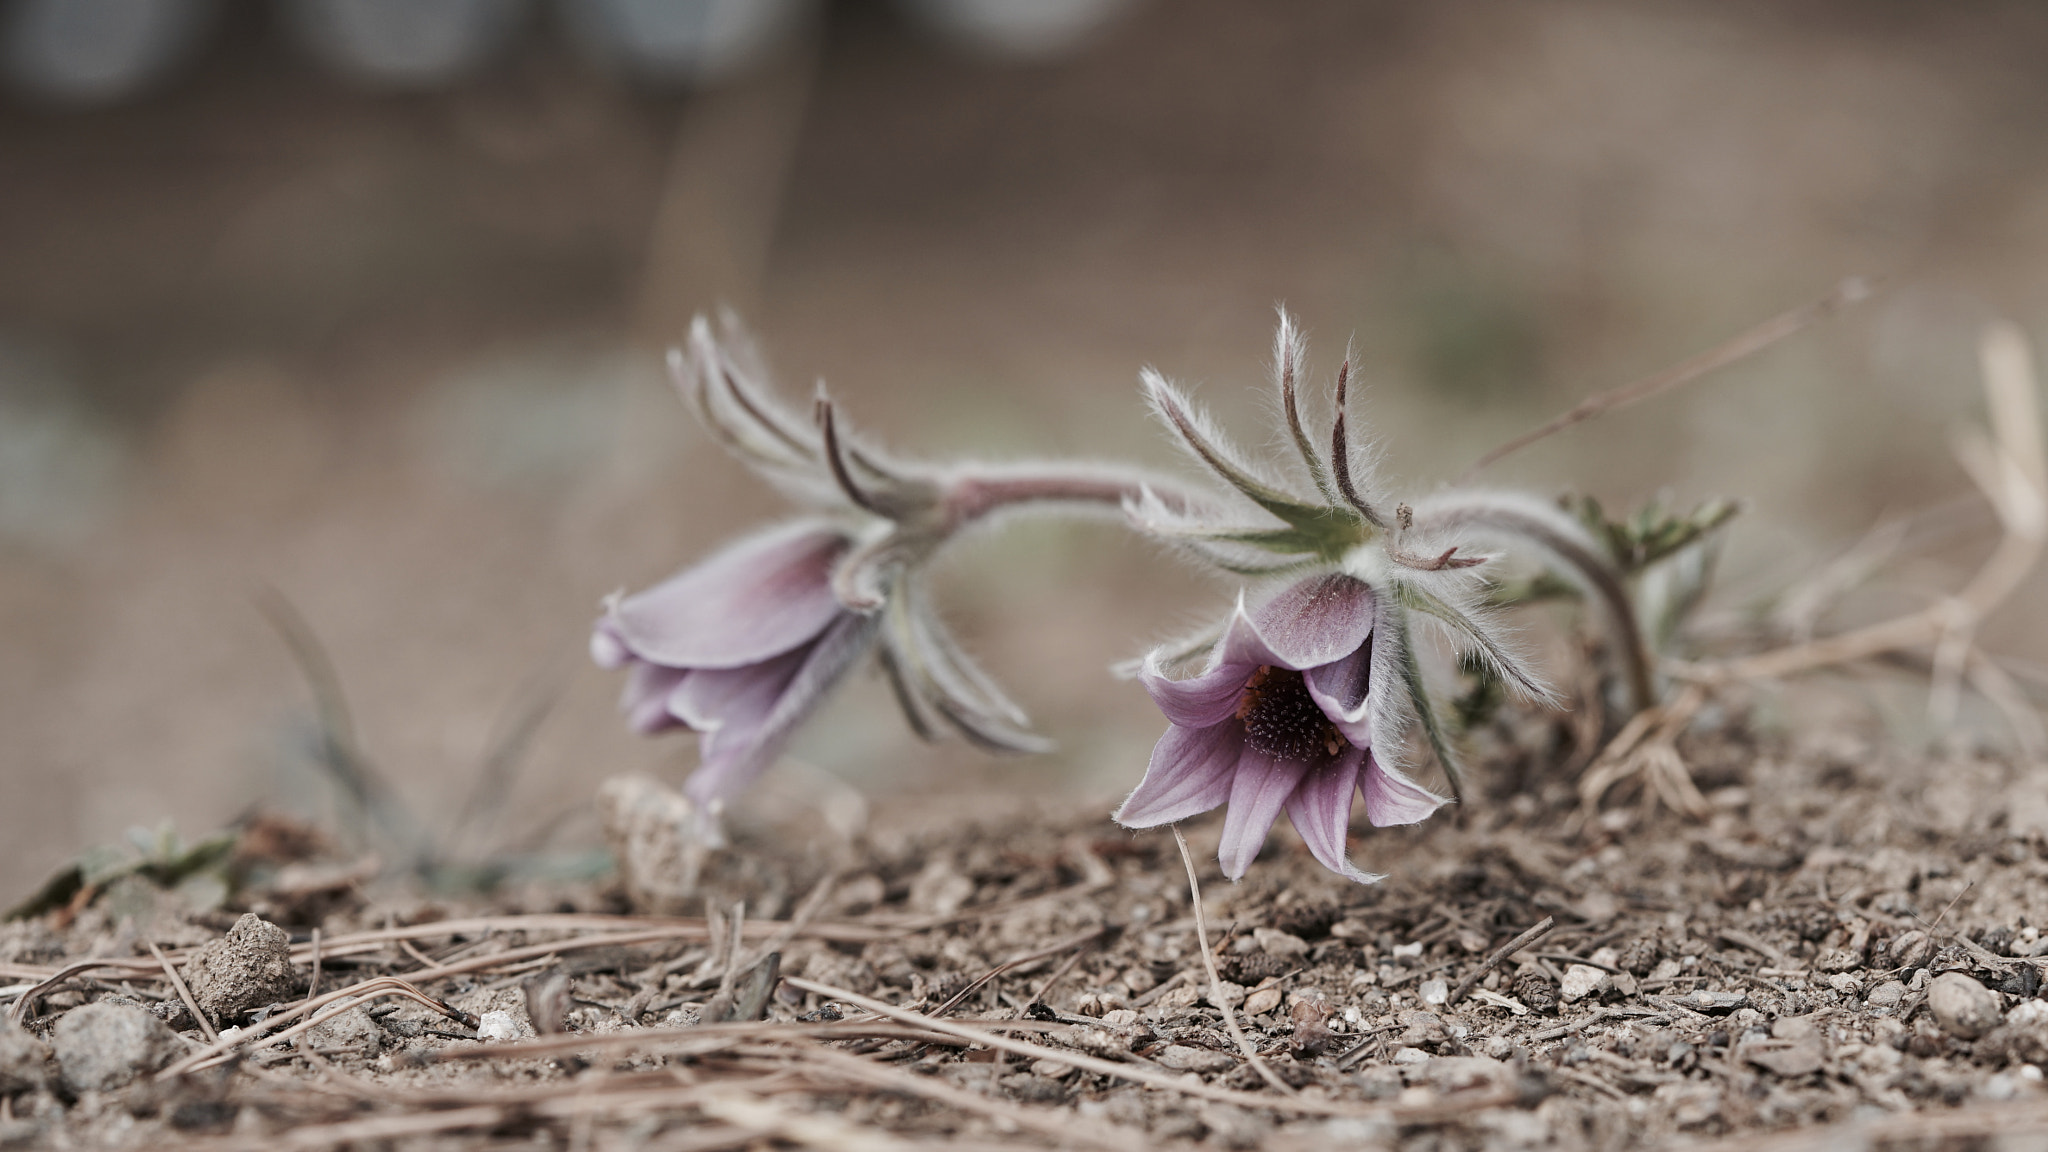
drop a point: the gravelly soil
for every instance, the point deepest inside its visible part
(1782, 965)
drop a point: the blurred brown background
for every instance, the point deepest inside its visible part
(392, 349)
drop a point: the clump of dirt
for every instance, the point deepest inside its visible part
(248, 968)
(1848, 938)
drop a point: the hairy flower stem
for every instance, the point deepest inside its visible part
(972, 497)
(1599, 574)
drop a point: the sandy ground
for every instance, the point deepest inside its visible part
(1846, 953)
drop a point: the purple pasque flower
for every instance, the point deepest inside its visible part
(1283, 718)
(741, 648)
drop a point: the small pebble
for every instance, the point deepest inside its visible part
(1262, 1001)
(1962, 1007)
(24, 1060)
(1051, 1069)
(101, 1047)
(1581, 981)
(497, 1025)
(1434, 992)
(1224, 993)
(1283, 944)
(1187, 1058)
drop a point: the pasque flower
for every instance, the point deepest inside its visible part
(1305, 700)
(743, 646)
(1282, 718)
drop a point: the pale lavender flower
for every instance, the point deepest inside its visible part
(1307, 698)
(743, 646)
(740, 648)
(1282, 718)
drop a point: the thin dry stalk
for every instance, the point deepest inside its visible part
(20, 1011)
(1648, 746)
(1015, 961)
(1216, 997)
(355, 994)
(1539, 931)
(2010, 468)
(184, 993)
(1145, 1074)
(1063, 1126)
(807, 910)
(1746, 344)
(313, 981)
(721, 1000)
(701, 1039)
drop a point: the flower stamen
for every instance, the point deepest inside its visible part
(1282, 720)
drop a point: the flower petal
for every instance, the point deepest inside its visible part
(1257, 793)
(754, 599)
(606, 649)
(1321, 811)
(1198, 701)
(1190, 772)
(644, 700)
(750, 738)
(1391, 798)
(1343, 691)
(733, 703)
(1316, 620)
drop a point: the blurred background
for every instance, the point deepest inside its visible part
(358, 306)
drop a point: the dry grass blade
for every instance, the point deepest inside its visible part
(698, 1039)
(1064, 1127)
(1216, 997)
(1015, 961)
(1145, 1074)
(1746, 344)
(1539, 931)
(322, 1010)
(1648, 746)
(2011, 468)
(21, 1006)
(184, 994)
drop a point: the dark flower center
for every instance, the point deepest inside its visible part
(1282, 720)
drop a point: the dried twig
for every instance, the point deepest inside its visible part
(1746, 344)
(313, 982)
(1064, 1126)
(1648, 745)
(1216, 997)
(21, 1007)
(1015, 961)
(1537, 932)
(184, 993)
(354, 994)
(1144, 1074)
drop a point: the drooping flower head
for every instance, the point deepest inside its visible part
(743, 646)
(1280, 719)
(1304, 699)
(740, 647)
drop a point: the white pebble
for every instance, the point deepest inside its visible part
(1434, 992)
(497, 1025)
